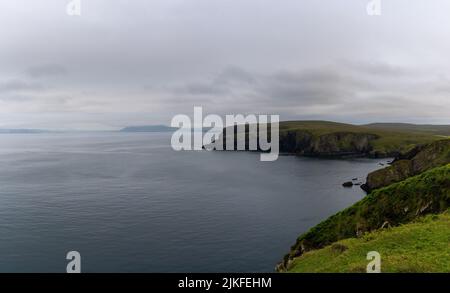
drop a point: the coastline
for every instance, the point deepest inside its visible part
(386, 204)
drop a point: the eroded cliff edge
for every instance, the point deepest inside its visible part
(331, 139)
(416, 184)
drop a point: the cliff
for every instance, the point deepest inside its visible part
(399, 203)
(416, 247)
(324, 138)
(420, 159)
(335, 144)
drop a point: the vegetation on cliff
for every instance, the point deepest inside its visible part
(415, 185)
(324, 138)
(421, 246)
(331, 138)
(423, 158)
(390, 206)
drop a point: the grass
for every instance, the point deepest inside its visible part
(416, 243)
(390, 139)
(333, 138)
(432, 155)
(396, 204)
(443, 130)
(421, 246)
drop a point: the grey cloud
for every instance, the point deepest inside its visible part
(329, 92)
(234, 75)
(377, 68)
(286, 88)
(46, 70)
(223, 83)
(20, 86)
(299, 59)
(201, 89)
(306, 87)
(15, 98)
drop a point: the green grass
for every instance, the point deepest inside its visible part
(400, 141)
(399, 203)
(319, 127)
(443, 130)
(333, 138)
(421, 246)
(390, 139)
(430, 156)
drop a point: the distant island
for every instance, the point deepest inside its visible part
(148, 128)
(159, 128)
(22, 131)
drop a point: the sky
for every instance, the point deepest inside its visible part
(140, 62)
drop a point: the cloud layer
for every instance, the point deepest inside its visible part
(123, 63)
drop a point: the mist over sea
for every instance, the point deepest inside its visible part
(129, 203)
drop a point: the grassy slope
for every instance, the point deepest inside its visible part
(390, 138)
(430, 156)
(422, 246)
(443, 130)
(399, 203)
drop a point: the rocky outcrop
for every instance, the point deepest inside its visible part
(342, 143)
(347, 184)
(418, 160)
(399, 203)
(296, 142)
(335, 144)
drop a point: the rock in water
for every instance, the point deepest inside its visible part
(347, 184)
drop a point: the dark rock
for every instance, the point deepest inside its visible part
(342, 144)
(347, 184)
(304, 142)
(392, 206)
(426, 157)
(365, 187)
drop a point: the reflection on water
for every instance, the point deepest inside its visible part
(128, 203)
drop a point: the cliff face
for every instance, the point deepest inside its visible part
(336, 144)
(324, 138)
(331, 144)
(399, 203)
(341, 144)
(402, 248)
(417, 183)
(417, 161)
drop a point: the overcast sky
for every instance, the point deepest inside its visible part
(141, 62)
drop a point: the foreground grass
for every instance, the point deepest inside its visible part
(421, 246)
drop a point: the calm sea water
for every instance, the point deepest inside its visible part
(129, 203)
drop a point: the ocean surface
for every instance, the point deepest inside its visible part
(129, 203)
